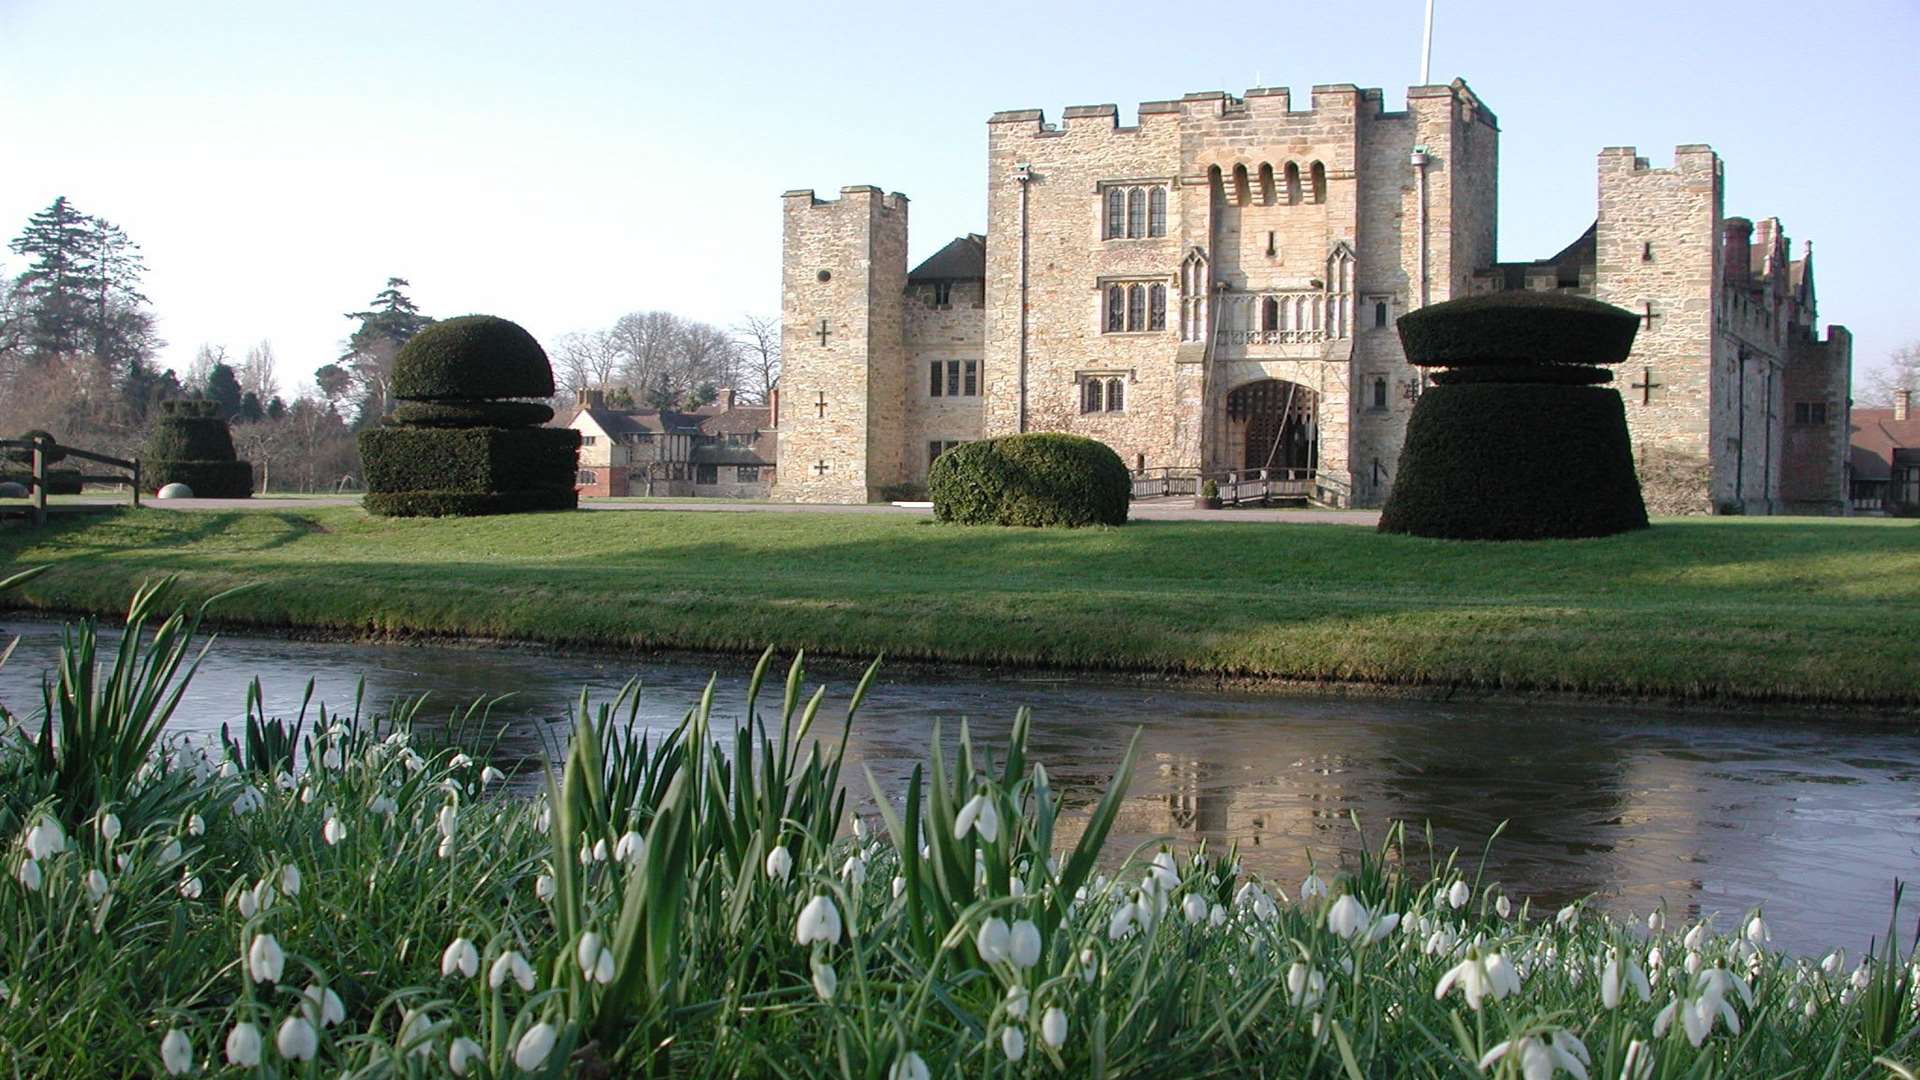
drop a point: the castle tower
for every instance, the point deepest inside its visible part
(843, 354)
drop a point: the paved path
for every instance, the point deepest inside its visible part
(1147, 510)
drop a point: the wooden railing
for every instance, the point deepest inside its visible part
(45, 449)
(1242, 485)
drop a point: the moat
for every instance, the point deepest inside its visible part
(1811, 817)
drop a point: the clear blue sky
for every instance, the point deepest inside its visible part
(561, 167)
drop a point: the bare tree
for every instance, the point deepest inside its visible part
(204, 358)
(587, 359)
(759, 343)
(1900, 371)
(257, 374)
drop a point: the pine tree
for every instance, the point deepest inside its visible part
(390, 322)
(224, 387)
(61, 282)
(121, 330)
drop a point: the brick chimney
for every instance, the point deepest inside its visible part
(773, 399)
(591, 399)
(727, 398)
(1737, 250)
(1901, 399)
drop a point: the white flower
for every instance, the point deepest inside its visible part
(1305, 986)
(45, 838)
(779, 863)
(1121, 924)
(1834, 961)
(284, 781)
(899, 886)
(819, 921)
(1617, 971)
(459, 761)
(330, 758)
(1502, 906)
(854, 870)
(994, 940)
(910, 1067)
(1089, 970)
(1013, 1042)
(1347, 917)
(1053, 1028)
(978, 815)
(1656, 921)
(534, 1047)
(170, 852)
(587, 953)
(1194, 908)
(196, 825)
(1026, 943)
(1638, 1064)
(333, 831)
(1757, 933)
(448, 820)
(1161, 874)
(1217, 917)
(825, 980)
(249, 800)
(265, 960)
(384, 806)
(511, 964)
(462, 1054)
(1567, 916)
(190, 887)
(543, 887)
(1693, 936)
(416, 1033)
(176, 1053)
(109, 827)
(632, 848)
(290, 880)
(1540, 1058)
(96, 885)
(322, 1005)
(460, 957)
(243, 1046)
(1458, 894)
(1312, 888)
(1479, 978)
(1017, 1001)
(297, 1041)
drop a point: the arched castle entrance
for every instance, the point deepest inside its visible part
(1273, 424)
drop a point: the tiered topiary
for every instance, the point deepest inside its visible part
(59, 481)
(191, 445)
(1517, 439)
(458, 445)
(1033, 479)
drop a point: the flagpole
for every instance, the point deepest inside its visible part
(1426, 46)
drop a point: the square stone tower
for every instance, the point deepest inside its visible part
(843, 352)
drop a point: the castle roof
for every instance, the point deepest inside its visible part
(965, 259)
(1877, 437)
(1566, 264)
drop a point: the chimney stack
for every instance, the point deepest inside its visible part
(726, 399)
(1901, 400)
(1737, 250)
(591, 399)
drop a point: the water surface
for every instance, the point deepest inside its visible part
(1811, 817)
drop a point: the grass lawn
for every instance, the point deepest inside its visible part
(1756, 608)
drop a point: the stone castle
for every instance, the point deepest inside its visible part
(1212, 290)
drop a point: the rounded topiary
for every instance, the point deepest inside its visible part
(472, 358)
(1032, 479)
(190, 444)
(472, 413)
(1517, 441)
(25, 457)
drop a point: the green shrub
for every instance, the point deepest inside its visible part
(191, 445)
(1032, 479)
(908, 492)
(468, 504)
(1486, 461)
(59, 481)
(472, 413)
(208, 479)
(1548, 374)
(1504, 329)
(472, 358)
(468, 461)
(25, 457)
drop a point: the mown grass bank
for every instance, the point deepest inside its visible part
(1734, 609)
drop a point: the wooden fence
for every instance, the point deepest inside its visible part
(44, 451)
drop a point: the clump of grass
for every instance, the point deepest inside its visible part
(697, 904)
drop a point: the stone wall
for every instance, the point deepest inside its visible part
(1814, 461)
(955, 331)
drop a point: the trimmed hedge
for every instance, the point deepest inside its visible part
(471, 358)
(25, 457)
(208, 479)
(468, 504)
(59, 481)
(504, 414)
(471, 461)
(1544, 374)
(1036, 479)
(1485, 461)
(1518, 328)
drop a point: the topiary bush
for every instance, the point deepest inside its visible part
(190, 444)
(25, 457)
(1517, 441)
(1037, 479)
(454, 448)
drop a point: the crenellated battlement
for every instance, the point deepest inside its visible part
(865, 195)
(1688, 158)
(1329, 101)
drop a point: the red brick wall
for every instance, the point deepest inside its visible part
(606, 480)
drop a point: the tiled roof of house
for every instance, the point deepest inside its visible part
(1876, 435)
(964, 259)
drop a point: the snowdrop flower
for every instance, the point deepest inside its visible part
(1025, 946)
(109, 827)
(196, 825)
(632, 848)
(170, 852)
(535, 1046)
(1567, 916)
(910, 1067)
(511, 964)
(462, 1054)
(1656, 922)
(1017, 1001)
(1217, 917)
(1013, 1042)
(491, 775)
(1194, 907)
(1312, 888)
(899, 886)
(1479, 978)
(1053, 1028)
(978, 815)
(1834, 961)
(249, 904)
(1458, 894)
(1121, 924)
(322, 1005)
(330, 758)
(1540, 1058)
(290, 880)
(229, 770)
(1693, 936)
(825, 980)
(599, 850)
(176, 1053)
(265, 961)
(447, 820)
(384, 806)
(190, 887)
(460, 957)
(333, 831)
(1347, 917)
(543, 888)
(1380, 927)
(819, 921)
(994, 940)
(1089, 970)
(1305, 986)
(859, 829)
(1861, 975)
(1617, 971)
(45, 838)
(459, 761)
(96, 885)
(243, 1046)
(297, 1041)
(1693, 963)
(416, 1033)
(779, 863)
(854, 870)
(596, 960)
(249, 800)
(1162, 874)
(1757, 933)
(1502, 906)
